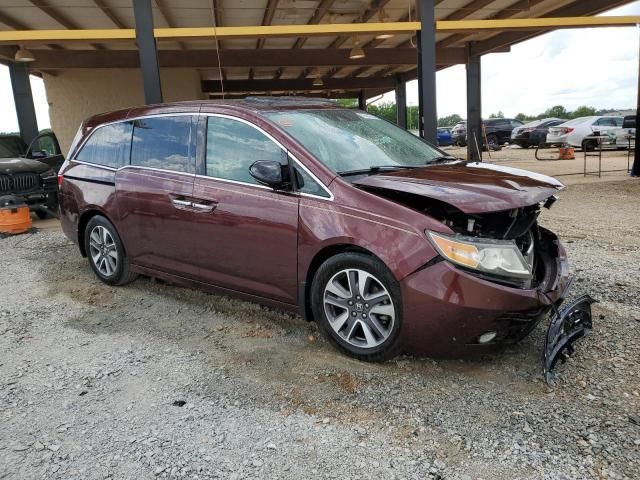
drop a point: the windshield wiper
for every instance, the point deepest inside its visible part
(443, 159)
(373, 169)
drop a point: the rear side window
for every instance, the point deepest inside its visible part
(108, 145)
(232, 146)
(162, 142)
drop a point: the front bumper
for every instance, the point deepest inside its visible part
(447, 309)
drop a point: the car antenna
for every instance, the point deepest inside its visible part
(215, 36)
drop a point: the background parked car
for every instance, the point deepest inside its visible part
(628, 128)
(498, 130)
(534, 133)
(445, 138)
(459, 133)
(576, 132)
(30, 173)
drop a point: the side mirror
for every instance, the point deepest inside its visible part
(38, 154)
(270, 173)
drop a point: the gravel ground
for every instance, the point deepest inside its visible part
(154, 381)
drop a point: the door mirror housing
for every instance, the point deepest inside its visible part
(271, 173)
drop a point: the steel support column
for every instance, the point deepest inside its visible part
(23, 99)
(362, 101)
(427, 72)
(474, 107)
(147, 50)
(635, 170)
(401, 103)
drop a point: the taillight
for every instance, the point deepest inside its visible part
(566, 130)
(60, 180)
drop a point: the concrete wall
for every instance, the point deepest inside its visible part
(74, 95)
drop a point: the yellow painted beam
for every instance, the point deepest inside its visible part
(551, 23)
(327, 30)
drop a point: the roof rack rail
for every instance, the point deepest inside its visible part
(291, 99)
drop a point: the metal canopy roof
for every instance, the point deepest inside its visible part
(276, 64)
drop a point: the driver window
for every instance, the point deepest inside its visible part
(45, 144)
(232, 146)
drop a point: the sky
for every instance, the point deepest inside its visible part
(596, 67)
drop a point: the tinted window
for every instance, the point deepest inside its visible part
(516, 123)
(108, 145)
(306, 184)
(608, 122)
(553, 123)
(232, 146)
(162, 142)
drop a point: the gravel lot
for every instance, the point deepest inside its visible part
(154, 381)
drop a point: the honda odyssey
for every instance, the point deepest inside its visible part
(385, 241)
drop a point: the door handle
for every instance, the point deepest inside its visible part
(204, 207)
(181, 203)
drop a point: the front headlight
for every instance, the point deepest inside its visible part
(48, 175)
(495, 257)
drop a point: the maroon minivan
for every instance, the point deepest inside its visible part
(384, 240)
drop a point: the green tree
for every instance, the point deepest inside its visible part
(386, 111)
(348, 102)
(523, 117)
(582, 111)
(449, 121)
(558, 112)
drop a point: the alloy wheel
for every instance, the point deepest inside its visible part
(103, 251)
(359, 308)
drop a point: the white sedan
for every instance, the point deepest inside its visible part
(576, 132)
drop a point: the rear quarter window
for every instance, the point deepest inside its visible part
(108, 145)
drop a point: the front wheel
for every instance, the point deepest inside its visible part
(357, 304)
(106, 253)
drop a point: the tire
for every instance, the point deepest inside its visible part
(365, 330)
(106, 253)
(41, 214)
(589, 145)
(492, 140)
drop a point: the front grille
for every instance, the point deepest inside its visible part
(19, 183)
(25, 182)
(5, 183)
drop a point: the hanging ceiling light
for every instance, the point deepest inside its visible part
(357, 51)
(382, 18)
(24, 56)
(317, 82)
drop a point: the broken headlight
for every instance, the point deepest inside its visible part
(494, 257)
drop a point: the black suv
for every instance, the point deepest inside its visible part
(498, 130)
(30, 173)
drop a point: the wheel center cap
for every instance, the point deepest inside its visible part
(359, 306)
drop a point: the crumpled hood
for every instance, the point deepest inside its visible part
(22, 165)
(470, 187)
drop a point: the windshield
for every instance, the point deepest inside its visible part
(346, 140)
(11, 146)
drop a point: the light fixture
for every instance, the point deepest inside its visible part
(24, 56)
(357, 51)
(317, 82)
(382, 18)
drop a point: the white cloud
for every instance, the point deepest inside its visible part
(596, 67)
(8, 119)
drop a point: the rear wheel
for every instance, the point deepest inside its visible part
(589, 145)
(106, 253)
(493, 141)
(356, 302)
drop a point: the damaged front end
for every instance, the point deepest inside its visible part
(506, 248)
